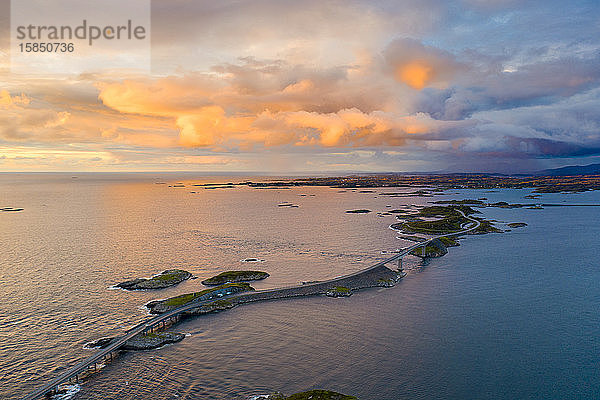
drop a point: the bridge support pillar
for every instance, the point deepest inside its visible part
(424, 253)
(400, 264)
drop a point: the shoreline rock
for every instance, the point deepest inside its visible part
(148, 341)
(163, 280)
(434, 249)
(516, 224)
(235, 276)
(11, 209)
(339, 291)
(99, 343)
(360, 211)
(152, 340)
(317, 394)
(214, 307)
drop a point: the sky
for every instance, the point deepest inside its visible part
(322, 86)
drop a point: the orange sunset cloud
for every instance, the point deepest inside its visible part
(415, 74)
(231, 119)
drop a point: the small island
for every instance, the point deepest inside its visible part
(235, 276)
(163, 280)
(443, 220)
(287, 204)
(11, 209)
(360, 211)
(146, 341)
(312, 395)
(517, 224)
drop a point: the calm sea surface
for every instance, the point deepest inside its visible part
(503, 316)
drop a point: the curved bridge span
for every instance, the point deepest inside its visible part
(356, 280)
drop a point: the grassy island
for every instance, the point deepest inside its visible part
(161, 306)
(448, 220)
(443, 220)
(164, 279)
(360, 211)
(235, 276)
(485, 227)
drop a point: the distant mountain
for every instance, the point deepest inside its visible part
(592, 169)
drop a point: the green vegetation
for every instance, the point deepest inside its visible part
(386, 282)
(161, 306)
(339, 291)
(164, 279)
(485, 227)
(440, 226)
(360, 211)
(430, 251)
(171, 277)
(449, 242)
(186, 298)
(445, 211)
(450, 221)
(212, 307)
(220, 303)
(235, 276)
(342, 289)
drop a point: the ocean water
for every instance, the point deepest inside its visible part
(503, 316)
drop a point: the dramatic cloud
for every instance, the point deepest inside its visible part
(318, 85)
(6, 100)
(419, 66)
(270, 104)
